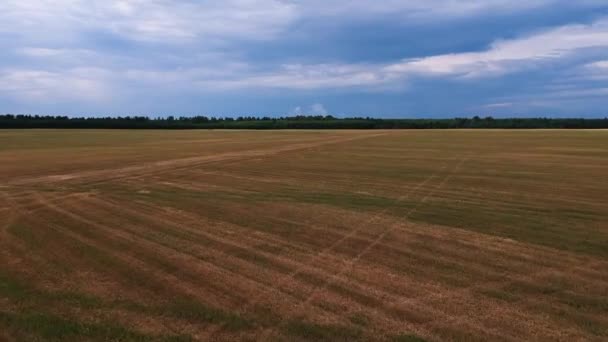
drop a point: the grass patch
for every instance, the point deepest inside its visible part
(498, 294)
(359, 319)
(11, 288)
(196, 312)
(585, 302)
(407, 338)
(25, 234)
(341, 200)
(46, 327)
(319, 332)
(15, 290)
(585, 322)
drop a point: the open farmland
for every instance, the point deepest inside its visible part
(303, 235)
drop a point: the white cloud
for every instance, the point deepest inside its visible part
(182, 21)
(318, 109)
(306, 77)
(595, 71)
(602, 65)
(498, 105)
(86, 84)
(502, 57)
(597, 68)
(40, 52)
(314, 109)
(431, 10)
(512, 55)
(148, 20)
(549, 97)
(72, 57)
(53, 32)
(296, 111)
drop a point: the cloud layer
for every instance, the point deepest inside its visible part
(129, 55)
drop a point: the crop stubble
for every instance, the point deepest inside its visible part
(304, 235)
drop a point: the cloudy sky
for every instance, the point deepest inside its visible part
(390, 58)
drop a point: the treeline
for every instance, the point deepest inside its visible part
(290, 122)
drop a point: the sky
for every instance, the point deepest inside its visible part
(390, 58)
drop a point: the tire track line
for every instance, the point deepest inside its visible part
(9, 213)
(253, 235)
(236, 157)
(245, 279)
(283, 261)
(142, 261)
(324, 252)
(352, 262)
(162, 166)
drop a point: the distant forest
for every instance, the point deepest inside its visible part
(291, 122)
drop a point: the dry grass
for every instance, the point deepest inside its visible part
(303, 235)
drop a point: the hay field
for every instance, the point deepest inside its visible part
(303, 235)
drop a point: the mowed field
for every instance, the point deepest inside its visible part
(303, 235)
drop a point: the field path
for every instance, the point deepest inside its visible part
(158, 167)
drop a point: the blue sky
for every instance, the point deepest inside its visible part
(432, 58)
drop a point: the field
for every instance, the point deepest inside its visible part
(303, 235)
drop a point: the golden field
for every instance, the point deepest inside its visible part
(460, 235)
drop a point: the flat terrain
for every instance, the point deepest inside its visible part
(303, 235)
